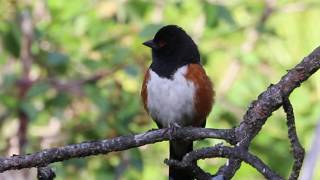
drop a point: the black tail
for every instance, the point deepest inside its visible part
(177, 150)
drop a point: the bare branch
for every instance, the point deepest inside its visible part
(226, 152)
(269, 101)
(297, 149)
(52, 155)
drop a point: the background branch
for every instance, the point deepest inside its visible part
(25, 82)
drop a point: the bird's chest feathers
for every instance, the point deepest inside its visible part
(171, 101)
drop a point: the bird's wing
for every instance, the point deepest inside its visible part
(204, 95)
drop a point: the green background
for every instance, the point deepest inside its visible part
(242, 52)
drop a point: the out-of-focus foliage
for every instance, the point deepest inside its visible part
(75, 40)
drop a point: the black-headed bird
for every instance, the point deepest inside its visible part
(176, 91)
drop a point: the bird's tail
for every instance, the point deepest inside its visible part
(177, 150)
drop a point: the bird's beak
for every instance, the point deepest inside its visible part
(151, 44)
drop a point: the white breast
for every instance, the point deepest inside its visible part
(170, 101)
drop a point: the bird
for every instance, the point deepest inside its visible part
(176, 91)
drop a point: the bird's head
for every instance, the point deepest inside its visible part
(173, 41)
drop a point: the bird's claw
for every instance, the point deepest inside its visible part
(172, 130)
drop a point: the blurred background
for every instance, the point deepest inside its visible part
(71, 71)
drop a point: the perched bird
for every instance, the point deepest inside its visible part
(176, 91)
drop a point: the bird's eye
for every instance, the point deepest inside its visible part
(161, 44)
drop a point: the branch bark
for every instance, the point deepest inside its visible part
(52, 155)
(297, 149)
(267, 102)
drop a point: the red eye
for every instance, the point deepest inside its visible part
(161, 44)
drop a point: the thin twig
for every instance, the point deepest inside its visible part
(297, 149)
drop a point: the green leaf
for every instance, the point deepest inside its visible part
(215, 13)
(138, 7)
(56, 59)
(136, 159)
(29, 109)
(54, 62)
(97, 97)
(149, 30)
(59, 101)
(11, 39)
(37, 89)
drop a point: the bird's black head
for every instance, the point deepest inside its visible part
(172, 48)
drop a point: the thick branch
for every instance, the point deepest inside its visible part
(269, 101)
(52, 155)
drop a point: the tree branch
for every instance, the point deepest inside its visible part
(52, 155)
(267, 102)
(297, 149)
(226, 152)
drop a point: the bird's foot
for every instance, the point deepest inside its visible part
(172, 130)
